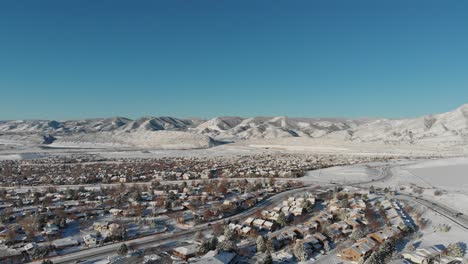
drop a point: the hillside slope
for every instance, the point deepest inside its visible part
(167, 132)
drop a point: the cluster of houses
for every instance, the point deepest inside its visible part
(77, 169)
(283, 165)
(365, 246)
(397, 223)
(103, 214)
(293, 206)
(396, 215)
(92, 169)
(259, 224)
(307, 233)
(324, 228)
(317, 231)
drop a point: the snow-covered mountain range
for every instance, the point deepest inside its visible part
(169, 132)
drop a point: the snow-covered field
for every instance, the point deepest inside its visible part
(211, 152)
(344, 174)
(446, 177)
(130, 153)
(444, 181)
(357, 148)
(449, 176)
(9, 142)
(432, 235)
(10, 157)
(446, 174)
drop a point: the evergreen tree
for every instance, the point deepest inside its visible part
(123, 233)
(204, 247)
(269, 244)
(358, 233)
(213, 243)
(383, 253)
(208, 245)
(227, 245)
(386, 249)
(268, 259)
(261, 245)
(123, 250)
(282, 221)
(307, 205)
(374, 258)
(41, 252)
(299, 251)
(228, 234)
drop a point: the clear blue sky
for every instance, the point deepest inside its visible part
(99, 58)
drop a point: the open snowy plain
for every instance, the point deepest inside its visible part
(443, 180)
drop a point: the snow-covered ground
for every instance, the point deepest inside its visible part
(224, 150)
(449, 174)
(445, 133)
(126, 152)
(343, 174)
(10, 157)
(441, 180)
(9, 142)
(432, 235)
(448, 178)
(376, 148)
(21, 156)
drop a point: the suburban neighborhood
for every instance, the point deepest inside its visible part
(258, 211)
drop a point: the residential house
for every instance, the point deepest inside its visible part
(217, 257)
(249, 221)
(8, 255)
(90, 240)
(360, 249)
(64, 243)
(186, 252)
(384, 234)
(423, 255)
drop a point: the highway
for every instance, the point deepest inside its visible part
(445, 211)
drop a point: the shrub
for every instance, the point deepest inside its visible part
(455, 250)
